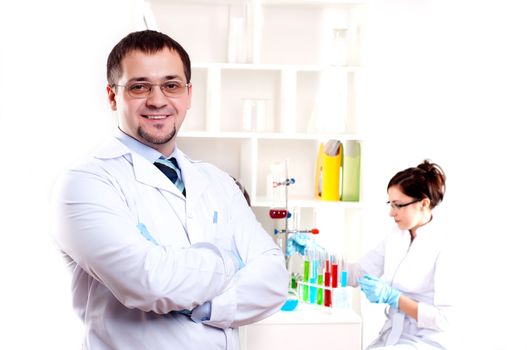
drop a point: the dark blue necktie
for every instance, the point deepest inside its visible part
(170, 168)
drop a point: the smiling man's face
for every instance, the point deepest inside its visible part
(155, 119)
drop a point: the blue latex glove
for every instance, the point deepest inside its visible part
(299, 242)
(377, 291)
(296, 244)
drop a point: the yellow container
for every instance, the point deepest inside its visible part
(327, 175)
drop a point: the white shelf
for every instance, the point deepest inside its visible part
(307, 327)
(314, 2)
(271, 81)
(267, 2)
(261, 32)
(277, 97)
(268, 135)
(308, 203)
(312, 314)
(276, 67)
(216, 135)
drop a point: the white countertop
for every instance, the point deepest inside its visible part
(312, 314)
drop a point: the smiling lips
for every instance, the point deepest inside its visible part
(155, 117)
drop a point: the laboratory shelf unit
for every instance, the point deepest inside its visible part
(271, 81)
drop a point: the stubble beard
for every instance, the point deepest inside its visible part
(156, 140)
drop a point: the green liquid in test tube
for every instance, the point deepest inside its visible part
(305, 294)
(320, 295)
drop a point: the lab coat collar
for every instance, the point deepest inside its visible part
(145, 172)
(428, 230)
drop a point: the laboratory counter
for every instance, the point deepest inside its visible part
(305, 328)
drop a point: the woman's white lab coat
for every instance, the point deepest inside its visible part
(139, 251)
(423, 271)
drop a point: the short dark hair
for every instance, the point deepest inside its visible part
(427, 180)
(147, 41)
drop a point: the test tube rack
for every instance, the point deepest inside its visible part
(324, 296)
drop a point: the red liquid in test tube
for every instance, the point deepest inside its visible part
(334, 274)
(327, 283)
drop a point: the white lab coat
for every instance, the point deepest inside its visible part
(126, 287)
(422, 270)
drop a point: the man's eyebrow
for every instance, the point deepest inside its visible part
(166, 77)
(139, 79)
(172, 77)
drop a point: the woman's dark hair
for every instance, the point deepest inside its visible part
(244, 191)
(427, 180)
(147, 41)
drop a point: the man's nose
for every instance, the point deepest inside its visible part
(156, 97)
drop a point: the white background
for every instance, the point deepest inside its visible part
(448, 81)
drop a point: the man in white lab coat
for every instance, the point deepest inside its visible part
(174, 261)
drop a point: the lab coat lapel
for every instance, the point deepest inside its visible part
(148, 174)
(144, 171)
(195, 182)
(196, 185)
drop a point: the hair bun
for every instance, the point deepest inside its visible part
(427, 180)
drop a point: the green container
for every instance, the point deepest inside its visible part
(351, 172)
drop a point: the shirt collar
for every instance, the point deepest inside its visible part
(143, 150)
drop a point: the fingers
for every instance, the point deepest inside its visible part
(370, 278)
(367, 281)
(371, 286)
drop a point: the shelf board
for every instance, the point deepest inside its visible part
(216, 134)
(269, 135)
(267, 2)
(307, 203)
(274, 67)
(308, 136)
(314, 2)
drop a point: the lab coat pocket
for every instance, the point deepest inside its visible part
(223, 237)
(219, 232)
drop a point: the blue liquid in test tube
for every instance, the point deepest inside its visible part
(313, 280)
(343, 278)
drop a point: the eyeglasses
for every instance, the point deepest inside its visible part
(398, 206)
(143, 89)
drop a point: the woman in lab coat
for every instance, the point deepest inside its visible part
(410, 269)
(157, 266)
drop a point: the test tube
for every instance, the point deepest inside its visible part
(313, 279)
(334, 272)
(305, 294)
(320, 282)
(343, 273)
(327, 283)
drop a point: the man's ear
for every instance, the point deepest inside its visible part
(111, 98)
(189, 99)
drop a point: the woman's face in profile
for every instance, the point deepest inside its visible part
(406, 211)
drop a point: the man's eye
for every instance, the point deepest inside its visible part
(139, 87)
(172, 85)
